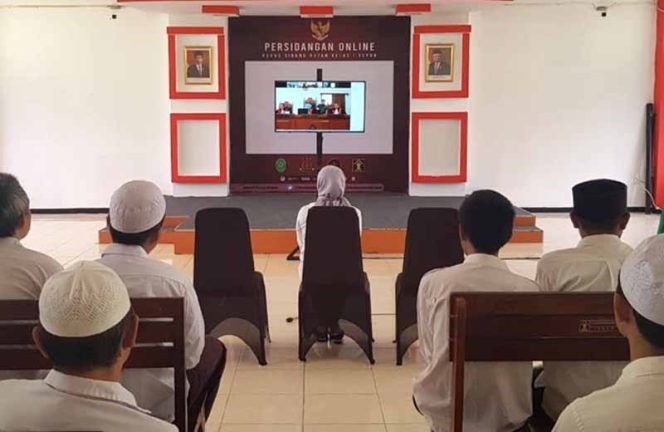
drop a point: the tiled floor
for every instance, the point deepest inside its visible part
(336, 389)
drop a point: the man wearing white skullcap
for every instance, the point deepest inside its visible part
(593, 265)
(136, 215)
(634, 402)
(87, 329)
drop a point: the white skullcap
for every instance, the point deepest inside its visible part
(84, 300)
(642, 279)
(136, 207)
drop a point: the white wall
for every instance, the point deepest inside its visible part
(557, 96)
(83, 102)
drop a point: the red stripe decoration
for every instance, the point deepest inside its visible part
(176, 177)
(462, 176)
(221, 10)
(316, 11)
(413, 8)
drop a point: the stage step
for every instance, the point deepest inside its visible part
(283, 241)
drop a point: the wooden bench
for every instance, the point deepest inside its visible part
(497, 327)
(160, 341)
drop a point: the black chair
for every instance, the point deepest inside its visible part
(231, 293)
(333, 279)
(432, 241)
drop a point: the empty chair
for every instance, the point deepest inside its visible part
(333, 281)
(432, 241)
(230, 291)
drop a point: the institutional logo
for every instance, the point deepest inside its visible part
(319, 30)
(359, 165)
(280, 165)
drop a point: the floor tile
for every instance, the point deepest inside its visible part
(278, 357)
(345, 428)
(267, 381)
(399, 408)
(264, 409)
(392, 379)
(338, 357)
(407, 428)
(331, 381)
(327, 409)
(260, 428)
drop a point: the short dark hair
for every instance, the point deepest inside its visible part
(652, 332)
(599, 226)
(487, 220)
(14, 204)
(136, 239)
(199, 54)
(86, 353)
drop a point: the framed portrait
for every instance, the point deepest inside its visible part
(439, 62)
(196, 62)
(199, 65)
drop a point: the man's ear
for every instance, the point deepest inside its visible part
(624, 220)
(129, 340)
(37, 339)
(623, 314)
(575, 219)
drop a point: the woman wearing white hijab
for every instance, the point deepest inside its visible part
(331, 185)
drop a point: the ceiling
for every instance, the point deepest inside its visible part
(290, 7)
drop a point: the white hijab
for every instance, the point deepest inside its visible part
(331, 187)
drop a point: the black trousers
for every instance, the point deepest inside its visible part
(204, 380)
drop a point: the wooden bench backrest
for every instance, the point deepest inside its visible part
(160, 341)
(529, 327)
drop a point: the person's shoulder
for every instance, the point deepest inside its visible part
(48, 264)
(560, 256)
(147, 267)
(146, 422)
(523, 283)
(443, 275)
(581, 412)
(305, 208)
(12, 389)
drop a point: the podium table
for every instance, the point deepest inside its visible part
(312, 122)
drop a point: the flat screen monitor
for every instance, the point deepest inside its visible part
(319, 106)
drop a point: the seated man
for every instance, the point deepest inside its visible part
(87, 329)
(136, 214)
(600, 214)
(23, 271)
(634, 402)
(497, 394)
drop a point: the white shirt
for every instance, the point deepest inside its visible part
(497, 394)
(632, 404)
(301, 229)
(23, 273)
(147, 277)
(64, 402)
(593, 266)
(23, 270)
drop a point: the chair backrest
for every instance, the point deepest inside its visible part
(432, 241)
(160, 342)
(223, 258)
(527, 327)
(333, 250)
